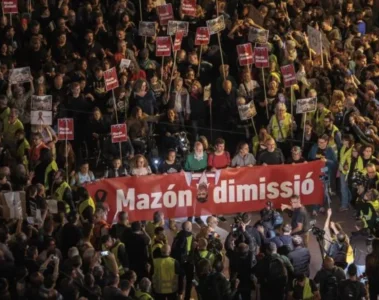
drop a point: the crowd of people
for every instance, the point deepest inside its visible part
(76, 254)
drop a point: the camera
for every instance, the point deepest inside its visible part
(359, 178)
(318, 232)
(324, 177)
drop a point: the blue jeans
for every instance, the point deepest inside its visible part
(345, 192)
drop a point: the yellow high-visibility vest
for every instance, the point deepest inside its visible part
(114, 250)
(165, 280)
(285, 125)
(84, 204)
(59, 192)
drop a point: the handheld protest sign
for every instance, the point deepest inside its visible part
(110, 79)
(189, 7)
(165, 14)
(303, 106)
(245, 54)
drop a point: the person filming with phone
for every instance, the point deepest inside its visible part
(117, 249)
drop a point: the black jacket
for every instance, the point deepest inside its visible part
(179, 247)
(300, 259)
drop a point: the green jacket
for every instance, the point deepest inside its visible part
(194, 165)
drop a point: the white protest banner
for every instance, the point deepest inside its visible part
(257, 35)
(20, 75)
(42, 102)
(216, 25)
(314, 38)
(247, 111)
(306, 105)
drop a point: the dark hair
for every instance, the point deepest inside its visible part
(219, 141)
(136, 226)
(158, 230)
(157, 217)
(125, 285)
(105, 238)
(352, 270)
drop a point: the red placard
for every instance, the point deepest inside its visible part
(202, 36)
(261, 57)
(110, 78)
(189, 7)
(119, 133)
(163, 46)
(178, 40)
(66, 129)
(165, 14)
(10, 7)
(289, 75)
(227, 191)
(245, 54)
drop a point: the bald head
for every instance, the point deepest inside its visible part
(187, 226)
(328, 263)
(166, 250)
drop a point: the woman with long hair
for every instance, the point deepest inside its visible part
(140, 166)
(144, 97)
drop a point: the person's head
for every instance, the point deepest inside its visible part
(296, 153)
(243, 148)
(32, 253)
(116, 163)
(97, 114)
(84, 168)
(140, 161)
(322, 142)
(136, 226)
(352, 271)
(297, 240)
(367, 151)
(360, 224)
(178, 83)
(158, 217)
(280, 109)
(187, 226)
(171, 155)
(212, 222)
(328, 263)
(145, 285)
(137, 112)
(295, 201)
(270, 145)
(328, 121)
(100, 214)
(107, 241)
(198, 148)
(287, 229)
(224, 70)
(271, 248)
(123, 217)
(227, 86)
(203, 139)
(160, 234)
(202, 192)
(348, 140)
(371, 170)
(37, 139)
(89, 37)
(220, 145)
(172, 115)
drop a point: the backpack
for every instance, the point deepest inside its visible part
(350, 290)
(339, 252)
(330, 290)
(276, 269)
